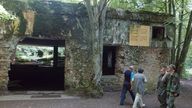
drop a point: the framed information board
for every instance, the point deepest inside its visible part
(139, 35)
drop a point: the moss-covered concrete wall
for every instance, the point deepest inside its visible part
(8, 41)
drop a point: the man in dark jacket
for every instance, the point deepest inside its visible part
(127, 85)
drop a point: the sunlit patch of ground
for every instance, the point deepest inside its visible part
(188, 73)
(189, 70)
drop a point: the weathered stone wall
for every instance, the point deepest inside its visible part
(55, 20)
(4, 65)
(6, 50)
(150, 58)
(116, 32)
(77, 70)
(7, 46)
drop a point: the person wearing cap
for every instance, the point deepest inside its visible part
(173, 86)
(161, 87)
(139, 80)
(127, 85)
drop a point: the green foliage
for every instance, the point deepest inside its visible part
(17, 7)
(139, 5)
(188, 61)
(188, 64)
(187, 74)
(5, 16)
(29, 53)
(70, 1)
(26, 53)
(148, 5)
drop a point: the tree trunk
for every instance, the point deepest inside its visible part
(96, 14)
(166, 6)
(171, 8)
(180, 31)
(185, 48)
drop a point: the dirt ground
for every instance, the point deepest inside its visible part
(109, 100)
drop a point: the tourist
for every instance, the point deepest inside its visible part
(173, 86)
(127, 85)
(161, 87)
(139, 80)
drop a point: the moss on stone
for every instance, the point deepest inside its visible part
(17, 7)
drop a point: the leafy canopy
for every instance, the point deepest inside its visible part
(4, 15)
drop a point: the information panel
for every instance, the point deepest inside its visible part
(139, 35)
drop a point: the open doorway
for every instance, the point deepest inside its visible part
(109, 60)
(38, 65)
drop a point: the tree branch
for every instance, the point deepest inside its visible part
(79, 24)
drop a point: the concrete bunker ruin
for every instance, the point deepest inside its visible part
(143, 39)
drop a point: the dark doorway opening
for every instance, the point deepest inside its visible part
(158, 33)
(41, 74)
(109, 59)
